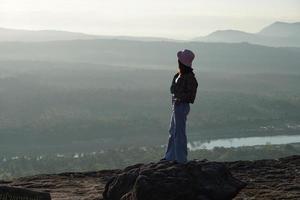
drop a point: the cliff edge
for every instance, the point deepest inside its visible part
(265, 179)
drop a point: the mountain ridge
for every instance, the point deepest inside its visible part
(278, 34)
(7, 35)
(23, 35)
(281, 29)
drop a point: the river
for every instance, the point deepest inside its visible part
(244, 141)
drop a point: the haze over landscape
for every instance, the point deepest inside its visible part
(88, 82)
(168, 18)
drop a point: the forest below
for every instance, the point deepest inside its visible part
(64, 97)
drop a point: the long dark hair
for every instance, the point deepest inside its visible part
(183, 69)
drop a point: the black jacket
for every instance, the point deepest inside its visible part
(186, 87)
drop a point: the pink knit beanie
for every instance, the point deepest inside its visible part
(186, 57)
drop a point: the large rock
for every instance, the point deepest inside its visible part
(195, 180)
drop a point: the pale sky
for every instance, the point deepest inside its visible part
(180, 19)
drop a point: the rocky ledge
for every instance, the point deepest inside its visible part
(266, 179)
(195, 180)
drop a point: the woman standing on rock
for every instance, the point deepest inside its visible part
(183, 90)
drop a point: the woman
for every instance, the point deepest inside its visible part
(183, 90)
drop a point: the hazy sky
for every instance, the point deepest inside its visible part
(167, 18)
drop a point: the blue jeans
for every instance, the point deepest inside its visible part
(177, 145)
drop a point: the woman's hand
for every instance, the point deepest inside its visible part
(177, 99)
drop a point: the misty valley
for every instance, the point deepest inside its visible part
(84, 97)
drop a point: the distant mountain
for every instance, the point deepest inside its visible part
(276, 34)
(11, 35)
(228, 36)
(42, 35)
(281, 29)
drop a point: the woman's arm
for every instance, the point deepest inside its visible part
(172, 88)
